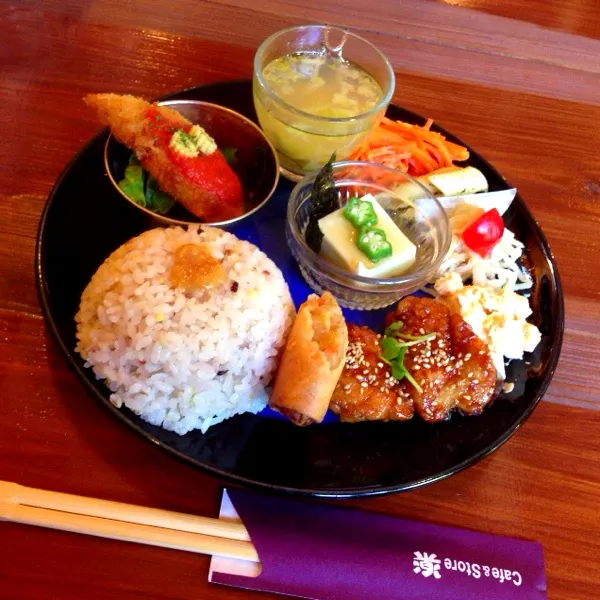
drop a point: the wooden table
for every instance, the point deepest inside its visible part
(519, 81)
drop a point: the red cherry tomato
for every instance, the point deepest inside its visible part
(482, 235)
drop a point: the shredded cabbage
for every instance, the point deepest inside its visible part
(500, 270)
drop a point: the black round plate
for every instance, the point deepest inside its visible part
(85, 220)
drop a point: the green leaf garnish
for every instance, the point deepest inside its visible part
(390, 347)
(394, 346)
(134, 173)
(393, 327)
(229, 153)
(398, 371)
(132, 185)
(133, 191)
(143, 189)
(402, 354)
(156, 199)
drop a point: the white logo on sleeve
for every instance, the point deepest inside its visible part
(427, 565)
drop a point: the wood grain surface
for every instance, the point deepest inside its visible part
(522, 86)
(576, 16)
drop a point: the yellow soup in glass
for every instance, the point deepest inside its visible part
(317, 85)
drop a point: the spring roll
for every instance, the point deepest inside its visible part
(312, 361)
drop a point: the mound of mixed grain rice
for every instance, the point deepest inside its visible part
(178, 359)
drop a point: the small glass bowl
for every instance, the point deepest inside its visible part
(256, 164)
(423, 221)
(305, 141)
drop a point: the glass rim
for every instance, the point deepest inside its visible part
(335, 120)
(343, 276)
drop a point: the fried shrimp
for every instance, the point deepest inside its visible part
(180, 155)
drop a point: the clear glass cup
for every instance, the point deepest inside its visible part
(305, 141)
(423, 221)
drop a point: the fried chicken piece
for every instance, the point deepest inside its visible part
(204, 184)
(455, 369)
(366, 390)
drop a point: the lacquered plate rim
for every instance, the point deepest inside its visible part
(342, 492)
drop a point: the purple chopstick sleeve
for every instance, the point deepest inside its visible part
(319, 551)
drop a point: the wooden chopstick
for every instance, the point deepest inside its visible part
(118, 511)
(125, 522)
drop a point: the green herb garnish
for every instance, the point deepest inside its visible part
(394, 346)
(390, 347)
(185, 141)
(143, 189)
(323, 201)
(391, 329)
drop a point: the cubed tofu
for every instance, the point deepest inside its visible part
(339, 245)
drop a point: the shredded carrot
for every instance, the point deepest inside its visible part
(412, 149)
